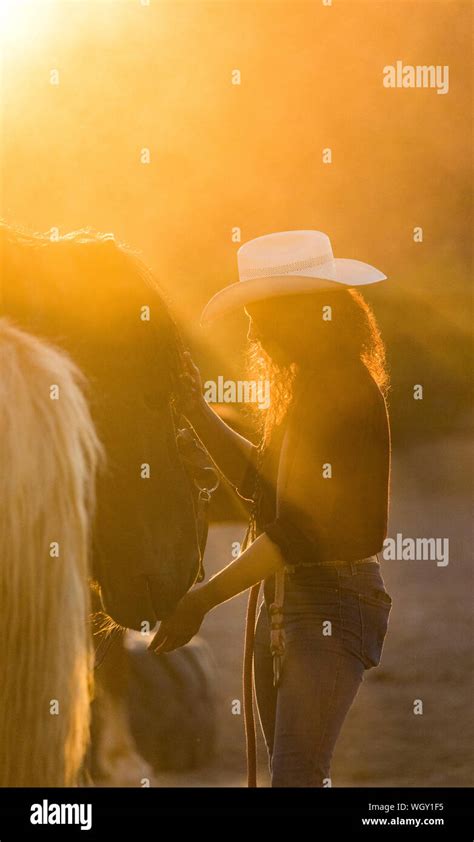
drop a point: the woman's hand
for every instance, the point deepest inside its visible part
(181, 625)
(191, 396)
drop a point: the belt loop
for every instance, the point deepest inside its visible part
(353, 568)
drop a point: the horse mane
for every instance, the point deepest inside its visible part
(85, 281)
(84, 292)
(49, 454)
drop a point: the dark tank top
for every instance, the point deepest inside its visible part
(310, 517)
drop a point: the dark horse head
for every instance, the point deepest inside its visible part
(97, 300)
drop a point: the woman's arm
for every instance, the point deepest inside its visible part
(232, 453)
(260, 560)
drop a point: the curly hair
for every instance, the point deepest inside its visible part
(301, 332)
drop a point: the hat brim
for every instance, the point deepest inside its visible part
(337, 273)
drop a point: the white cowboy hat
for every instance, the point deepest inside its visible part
(286, 263)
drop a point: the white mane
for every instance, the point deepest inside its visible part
(49, 453)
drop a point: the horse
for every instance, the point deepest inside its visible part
(93, 485)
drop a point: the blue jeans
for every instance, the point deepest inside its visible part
(335, 618)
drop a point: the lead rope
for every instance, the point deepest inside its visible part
(249, 716)
(277, 648)
(277, 631)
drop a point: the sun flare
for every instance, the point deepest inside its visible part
(20, 20)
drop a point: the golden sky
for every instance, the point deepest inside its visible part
(131, 76)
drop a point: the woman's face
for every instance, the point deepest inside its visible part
(291, 328)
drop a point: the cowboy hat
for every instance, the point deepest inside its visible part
(286, 263)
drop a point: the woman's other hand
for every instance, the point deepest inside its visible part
(181, 625)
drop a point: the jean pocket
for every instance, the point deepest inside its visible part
(375, 605)
(310, 610)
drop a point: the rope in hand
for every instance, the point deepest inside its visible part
(248, 672)
(249, 716)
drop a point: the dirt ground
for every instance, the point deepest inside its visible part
(427, 653)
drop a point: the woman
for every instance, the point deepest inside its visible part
(321, 479)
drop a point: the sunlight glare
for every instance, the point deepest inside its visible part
(20, 21)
